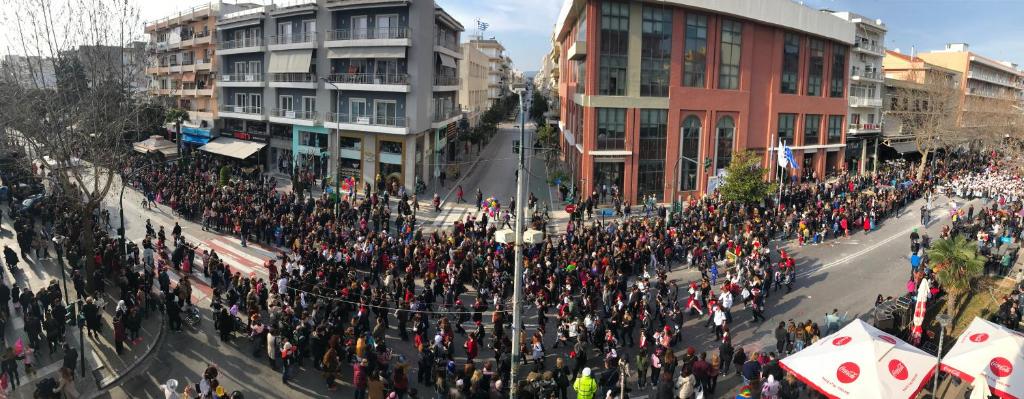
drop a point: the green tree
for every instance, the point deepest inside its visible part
(177, 116)
(744, 180)
(956, 264)
(225, 175)
(538, 107)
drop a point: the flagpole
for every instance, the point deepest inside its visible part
(782, 173)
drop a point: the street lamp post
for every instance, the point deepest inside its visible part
(337, 134)
(517, 296)
(944, 321)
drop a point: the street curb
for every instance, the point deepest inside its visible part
(461, 178)
(104, 385)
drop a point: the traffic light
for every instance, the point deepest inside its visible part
(515, 146)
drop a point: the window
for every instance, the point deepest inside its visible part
(816, 67)
(385, 112)
(240, 101)
(614, 48)
(611, 128)
(835, 129)
(790, 63)
(241, 67)
(812, 129)
(308, 107)
(786, 123)
(656, 52)
(696, 50)
(357, 108)
(723, 151)
(729, 65)
(359, 27)
(690, 152)
(838, 82)
(284, 32)
(651, 162)
(385, 23)
(256, 102)
(286, 103)
(581, 30)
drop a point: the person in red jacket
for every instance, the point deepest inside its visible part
(472, 348)
(359, 379)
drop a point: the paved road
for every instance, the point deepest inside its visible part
(846, 274)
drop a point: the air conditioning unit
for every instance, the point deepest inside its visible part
(289, 114)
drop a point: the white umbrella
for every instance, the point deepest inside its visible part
(861, 361)
(920, 307)
(990, 350)
(979, 390)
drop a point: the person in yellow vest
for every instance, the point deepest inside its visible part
(585, 386)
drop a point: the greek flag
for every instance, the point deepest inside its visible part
(481, 25)
(785, 157)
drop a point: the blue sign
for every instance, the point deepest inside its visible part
(607, 212)
(190, 138)
(195, 131)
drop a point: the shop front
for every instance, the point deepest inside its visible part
(281, 160)
(350, 158)
(255, 133)
(311, 150)
(389, 162)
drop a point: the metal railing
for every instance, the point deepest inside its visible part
(240, 43)
(241, 77)
(443, 115)
(452, 45)
(306, 37)
(372, 33)
(370, 78)
(373, 120)
(295, 114)
(865, 126)
(188, 61)
(872, 74)
(857, 101)
(240, 109)
(444, 80)
(292, 77)
(874, 48)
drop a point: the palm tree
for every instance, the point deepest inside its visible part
(957, 264)
(177, 116)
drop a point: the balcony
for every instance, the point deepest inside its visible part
(242, 112)
(856, 128)
(188, 65)
(397, 83)
(869, 48)
(305, 40)
(368, 37)
(335, 4)
(295, 117)
(446, 83)
(241, 80)
(247, 45)
(367, 123)
(152, 70)
(865, 102)
(867, 75)
(204, 64)
(993, 79)
(174, 66)
(442, 118)
(293, 80)
(450, 47)
(201, 38)
(578, 50)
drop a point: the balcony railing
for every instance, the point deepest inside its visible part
(874, 48)
(874, 75)
(452, 45)
(372, 120)
(443, 80)
(240, 43)
(292, 77)
(292, 39)
(443, 115)
(865, 126)
(241, 77)
(295, 114)
(187, 62)
(370, 78)
(240, 109)
(856, 101)
(374, 33)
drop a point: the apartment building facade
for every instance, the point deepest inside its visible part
(361, 89)
(473, 88)
(867, 79)
(990, 89)
(499, 68)
(910, 78)
(657, 96)
(182, 68)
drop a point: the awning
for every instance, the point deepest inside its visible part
(191, 138)
(156, 144)
(366, 52)
(447, 61)
(290, 61)
(231, 147)
(188, 77)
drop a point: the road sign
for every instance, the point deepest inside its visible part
(570, 208)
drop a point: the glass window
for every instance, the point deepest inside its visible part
(835, 129)
(786, 123)
(729, 68)
(656, 52)
(614, 48)
(581, 30)
(723, 151)
(816, 67)
(696, 51)
(790, 63)
(651, 162)
(812, 129)
(690, 154)
(611, 128)
(838, 82)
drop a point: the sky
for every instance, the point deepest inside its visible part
(991, 27)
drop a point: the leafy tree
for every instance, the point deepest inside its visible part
(957, 264)
(744, 181)
(538, 107)
(177, 116)
(225, 175)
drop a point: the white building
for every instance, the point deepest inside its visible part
(865, 96)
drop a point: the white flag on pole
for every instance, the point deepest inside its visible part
(782, 159)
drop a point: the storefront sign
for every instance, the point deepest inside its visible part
(250, 136)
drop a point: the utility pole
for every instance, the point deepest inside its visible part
(517, 296)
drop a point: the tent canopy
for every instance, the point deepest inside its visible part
(861, 361)
(231, 147)
(990, 350)
(447, 61)
(290, 61)
(156, 144)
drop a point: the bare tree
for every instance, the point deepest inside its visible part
(927, 105)
(78, 118)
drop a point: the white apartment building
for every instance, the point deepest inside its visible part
(865, 96)
(499, 68)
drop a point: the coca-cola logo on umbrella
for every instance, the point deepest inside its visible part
(978, 338)
(888, 339)
(898, 370)
(847, 372)
(840, 341)
(1000, 367)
